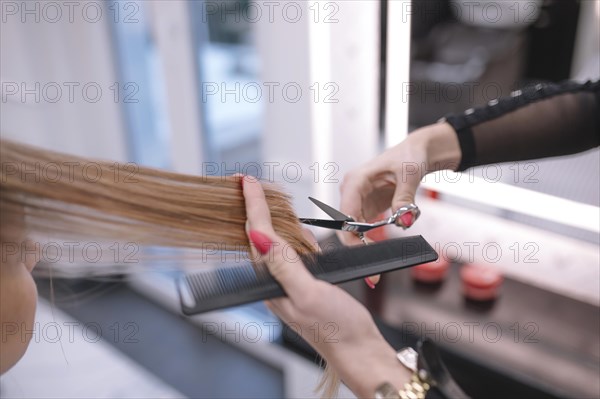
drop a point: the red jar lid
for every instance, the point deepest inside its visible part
(480, 283)
(432, 272)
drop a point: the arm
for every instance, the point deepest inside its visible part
(538, 122)
(542, 121)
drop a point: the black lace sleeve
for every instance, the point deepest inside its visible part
(537, 122)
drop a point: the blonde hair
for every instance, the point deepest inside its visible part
(75, 197)
(65, 196)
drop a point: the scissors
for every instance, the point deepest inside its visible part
(347, 223)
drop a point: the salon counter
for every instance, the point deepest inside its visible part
(529, 342)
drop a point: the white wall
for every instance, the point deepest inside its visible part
(52, 55)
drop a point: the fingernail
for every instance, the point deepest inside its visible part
(369, 283)
(407, 219)
(260, 241)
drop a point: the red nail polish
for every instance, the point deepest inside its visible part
(407, 219)
(260, 241)
(369, 283)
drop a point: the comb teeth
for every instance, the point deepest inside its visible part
(221, 281)
(216, 283)
(230, 286)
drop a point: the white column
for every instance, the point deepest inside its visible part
(171, 26)
(330, 52)
(398, 67)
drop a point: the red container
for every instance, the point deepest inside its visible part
(480, 283)
(432, 272)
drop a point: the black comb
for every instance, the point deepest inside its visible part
(230, 286)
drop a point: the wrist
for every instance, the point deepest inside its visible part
(441, 146)
(367, 367)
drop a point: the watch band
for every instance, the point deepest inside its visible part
(416, 388)
(428, 373)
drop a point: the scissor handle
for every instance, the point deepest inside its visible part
(397, 216)
(347, 223)
(361, 227)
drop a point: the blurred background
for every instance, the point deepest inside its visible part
(301, 92)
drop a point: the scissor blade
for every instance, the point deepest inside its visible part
(328, 224)
(334, 213)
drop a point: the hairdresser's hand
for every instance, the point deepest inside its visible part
(391, 179)
(339, 328)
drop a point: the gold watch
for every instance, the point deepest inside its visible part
(416, 388)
